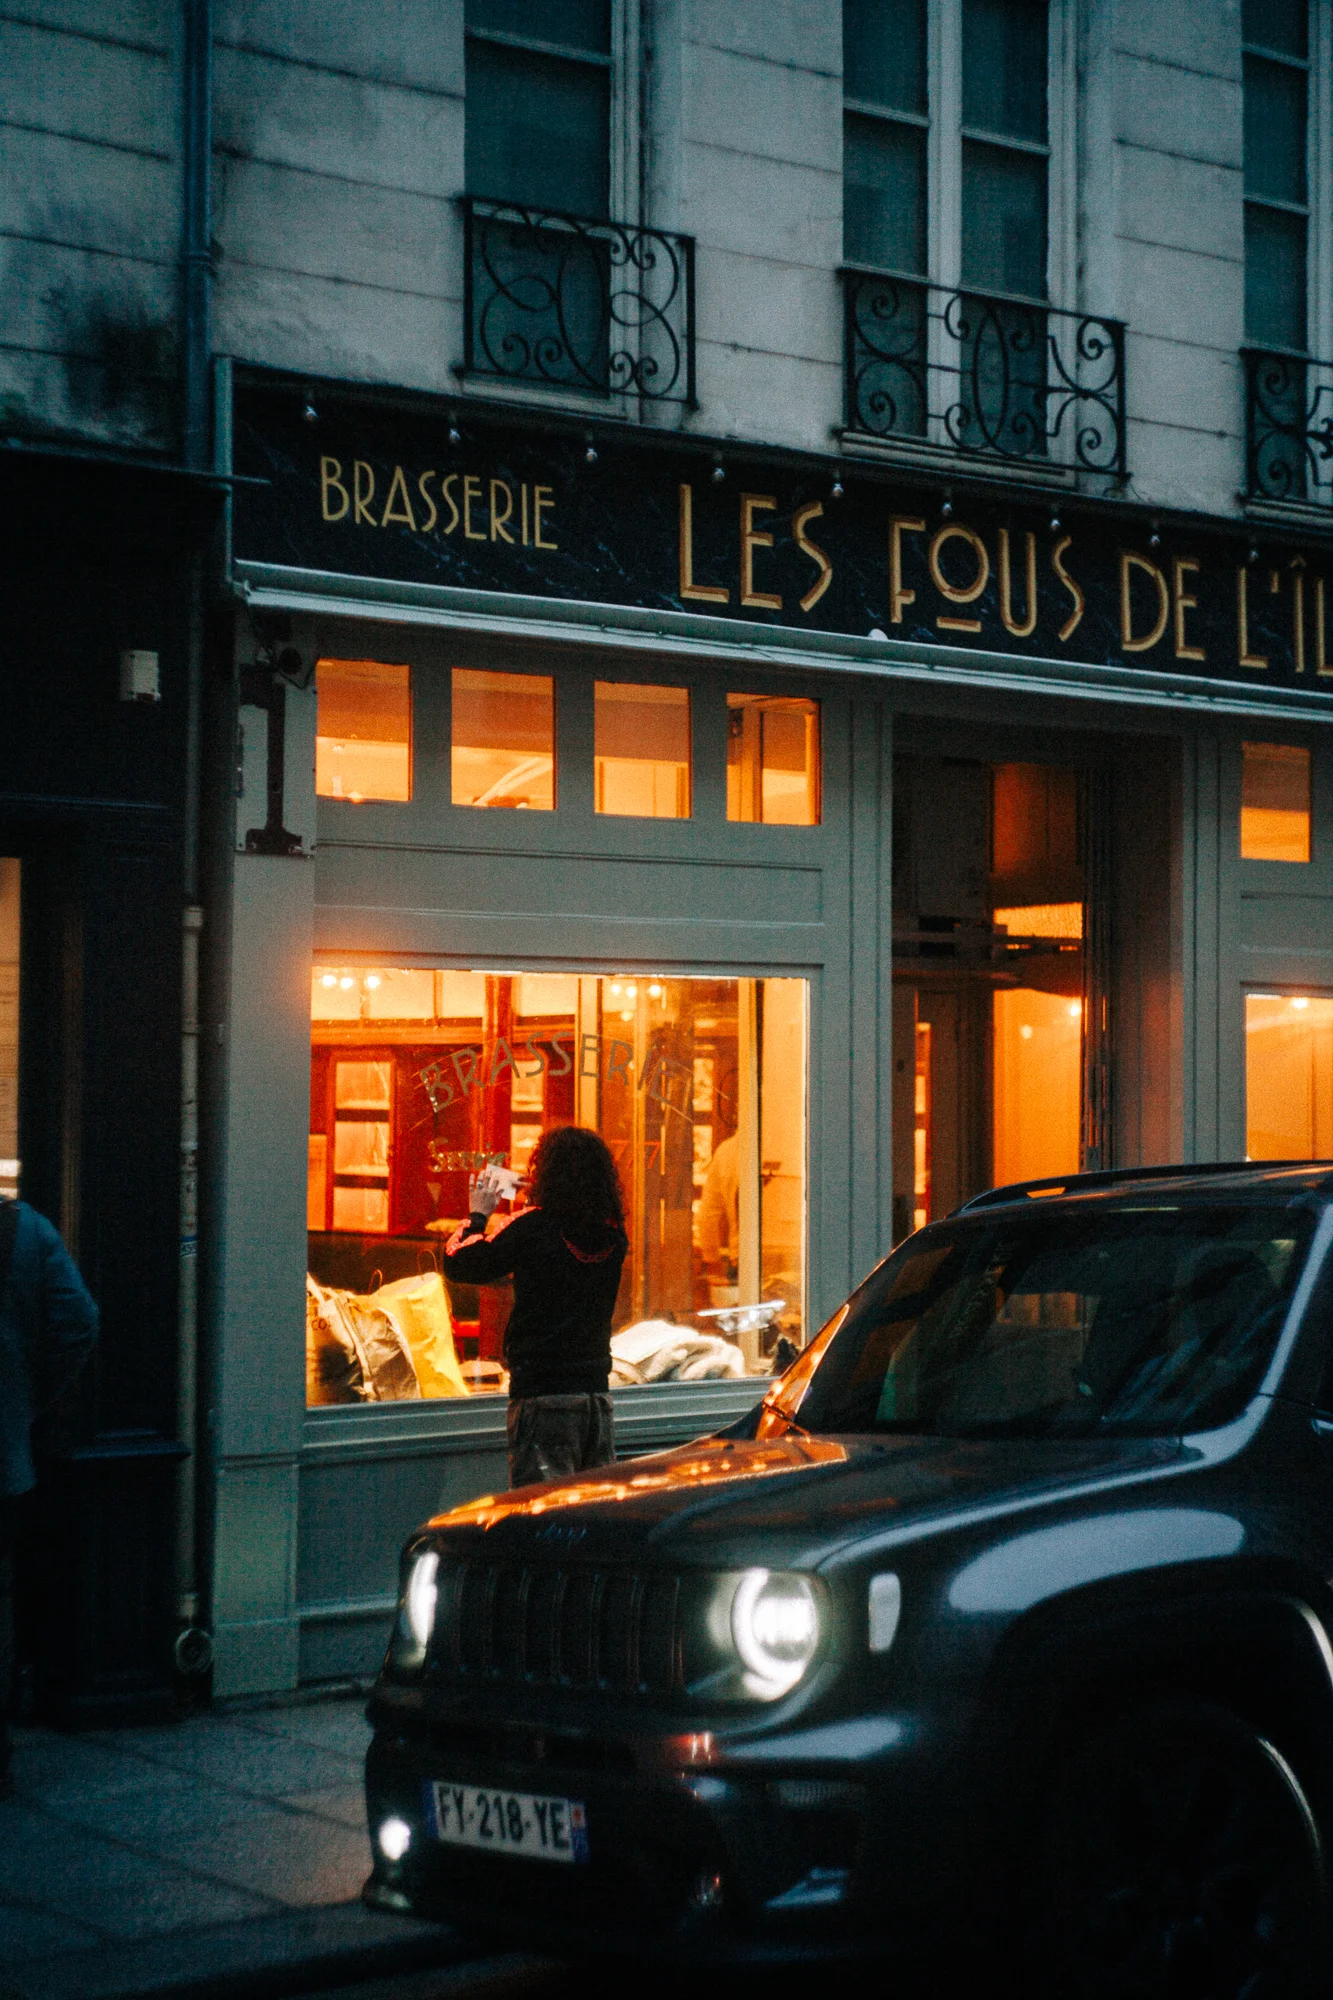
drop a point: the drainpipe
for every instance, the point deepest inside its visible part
(193, 1645)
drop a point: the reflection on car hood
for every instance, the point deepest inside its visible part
(796, 1497)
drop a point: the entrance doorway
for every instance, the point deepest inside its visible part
(998, 1011)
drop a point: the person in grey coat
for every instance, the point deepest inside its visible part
(48, 1325)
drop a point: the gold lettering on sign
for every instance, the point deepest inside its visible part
(704, 593)
(900, 525)
(1245, 657)
(542, 498)
(449, 501)
(426, 526)
(1071, 624)
(471, 492)
(498, 528)
(398, 497)
(1182, 601)
(812, 512)
(1297, 567)
(331, 481)
(954, 531)
(1129, 560)
(753, 538)
(523, 509)
(364, 492)
(1007, 618)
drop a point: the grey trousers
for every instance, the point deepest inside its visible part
(549, 1435)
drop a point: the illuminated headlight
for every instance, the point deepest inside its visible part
(416, 1610)
(775, 1630)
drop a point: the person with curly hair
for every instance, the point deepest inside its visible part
(564, 1252)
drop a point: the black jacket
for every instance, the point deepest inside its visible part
(558, 1341)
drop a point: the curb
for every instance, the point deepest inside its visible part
(297, 1952)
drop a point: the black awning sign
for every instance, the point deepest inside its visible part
(365, 491)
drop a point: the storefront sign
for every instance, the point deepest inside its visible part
(381, 493)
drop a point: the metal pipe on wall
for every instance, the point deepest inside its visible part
(193, 1649)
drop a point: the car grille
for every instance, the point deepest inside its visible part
(511, 1623)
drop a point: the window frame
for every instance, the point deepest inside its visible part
(1314, 208)
(945, 136)
(622, 67)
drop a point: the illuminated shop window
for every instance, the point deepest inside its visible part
(363, 745)
(1288, 1076)
(418, 1076)
(1275, 802)
(1038, 1072)
(773, 759)
(10, 871)
(503, 739)
(642, 750)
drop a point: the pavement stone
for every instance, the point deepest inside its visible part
(214, 1853)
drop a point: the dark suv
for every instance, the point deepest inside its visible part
(1006, 1616)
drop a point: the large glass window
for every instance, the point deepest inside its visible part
(503, 751)
(1288, 1076)
(1275, 802)
(418, 1076)
(1276, 101)
(642, 750)
(10, 876)
(773, 759)
(363, 742)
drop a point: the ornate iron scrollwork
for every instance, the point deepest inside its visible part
(991, 377)
(1288, 425)
(570, 303)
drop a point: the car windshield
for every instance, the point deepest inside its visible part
(1132, 1321)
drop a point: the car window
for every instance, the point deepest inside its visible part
(1142, 1321)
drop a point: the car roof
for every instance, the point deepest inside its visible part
(1275, 1179)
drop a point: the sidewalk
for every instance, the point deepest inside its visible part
(183, 1858)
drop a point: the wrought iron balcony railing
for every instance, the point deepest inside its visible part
(566, 303)
(1288, 426)
(986, 376)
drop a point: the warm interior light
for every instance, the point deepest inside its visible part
(1275, 802)
(1288, 1076)
(1075, 1009)
(654, 992)
(329, 979)
(363, 742)
(503, 739)
(641, 750)
(1300, 1002)
(346, 981)
(372, 980)
(773, 759)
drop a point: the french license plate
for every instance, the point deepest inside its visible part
(526, 1823)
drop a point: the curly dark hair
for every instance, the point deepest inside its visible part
(573, 1178)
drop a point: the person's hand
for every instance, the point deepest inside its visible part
(485, 1191)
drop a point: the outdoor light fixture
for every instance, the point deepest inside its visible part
(394, 1838)
(775, 1629)
(719, 472)
(838, 489)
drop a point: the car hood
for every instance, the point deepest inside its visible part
(789, 1500)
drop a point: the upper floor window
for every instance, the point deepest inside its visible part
(1276, 179)
(980, 217)
(538, 120)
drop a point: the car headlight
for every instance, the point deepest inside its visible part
(775, 1630)
(416, 1609)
